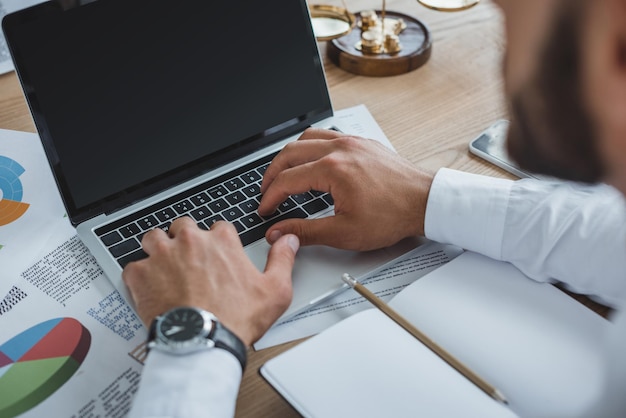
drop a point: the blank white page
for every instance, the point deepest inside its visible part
(538, 345)
(367, 366)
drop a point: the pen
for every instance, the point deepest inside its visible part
(447, 357)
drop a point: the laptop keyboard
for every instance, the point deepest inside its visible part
(233, 197)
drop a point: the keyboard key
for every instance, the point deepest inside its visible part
(218, 205)
(140, 236)
(210, 221)
(287, 205)
(200, 199)
(124, 247)
(111, 238)
(316, 193)
(302, 197)
(249, 206)
(251, 220)
(165, 227)
(235, 198)
(148, 222)
(232, 214)
(129, 230)
(329, 199)
(166, 214)
(202, 225)
(240, 228)
(273, 215)
(252, 190)
(258, 232)
(251, 177)
(200, 213)
(182, 207)
(134, 256)
(262, 169)
(217, 192)
(315, 206)
(234, 184)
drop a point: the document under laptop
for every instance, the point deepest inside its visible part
(149, 110)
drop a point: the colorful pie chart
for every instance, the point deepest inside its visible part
(37, 362)
(11, 206)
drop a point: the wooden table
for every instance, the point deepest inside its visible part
(429, 115)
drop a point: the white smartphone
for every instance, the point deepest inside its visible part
(490, 145)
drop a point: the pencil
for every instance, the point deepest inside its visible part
(447, 357)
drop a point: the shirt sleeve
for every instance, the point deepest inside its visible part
(202, 384)
(552, 231)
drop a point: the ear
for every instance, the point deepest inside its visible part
(615, 64)
(618, 13)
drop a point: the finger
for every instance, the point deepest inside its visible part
(295, 154)
(152, 238)
(296, 180)
(279, 266)
(225, 232)
(321, 231)
(179, 224)
(219, 226)
(318, 133)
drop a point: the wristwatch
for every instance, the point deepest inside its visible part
(186, 330)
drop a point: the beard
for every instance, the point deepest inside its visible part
(551, 131)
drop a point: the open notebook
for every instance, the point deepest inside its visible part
(530, 340)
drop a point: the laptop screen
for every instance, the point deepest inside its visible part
(131, 96)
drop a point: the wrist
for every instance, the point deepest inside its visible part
(185, 330)
(419, 201)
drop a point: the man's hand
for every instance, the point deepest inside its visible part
(380, 198)
(210, 270)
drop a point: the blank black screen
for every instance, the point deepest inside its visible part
(124, 92)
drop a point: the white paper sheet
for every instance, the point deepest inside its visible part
(539, 346)
(31, 210)
(368, 367)
(385, 285)
(66, 282)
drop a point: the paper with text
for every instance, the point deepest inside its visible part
(31, 210)
(385, 285)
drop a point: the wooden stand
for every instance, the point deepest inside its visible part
(416, 47)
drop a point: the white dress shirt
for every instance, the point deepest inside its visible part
(551, 231)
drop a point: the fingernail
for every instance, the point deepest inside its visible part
(275, 235)
(293, 242)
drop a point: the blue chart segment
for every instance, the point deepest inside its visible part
(11, 206)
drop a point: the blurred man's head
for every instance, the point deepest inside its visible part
(565, 72)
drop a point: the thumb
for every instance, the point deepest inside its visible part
(323, 231)
(282, 256)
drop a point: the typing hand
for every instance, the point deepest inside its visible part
(380, 198)
(209, 269)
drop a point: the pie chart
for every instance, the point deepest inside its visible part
(37, 362)
(11, 205)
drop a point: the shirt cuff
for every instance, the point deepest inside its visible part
(468, 210)
(188, 385)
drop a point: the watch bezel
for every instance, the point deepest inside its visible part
(198, 342)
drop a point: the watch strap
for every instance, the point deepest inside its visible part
(227, 340)
(152, 330)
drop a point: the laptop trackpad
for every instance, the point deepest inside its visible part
(318, 269)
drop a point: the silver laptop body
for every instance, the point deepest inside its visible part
(137, 101)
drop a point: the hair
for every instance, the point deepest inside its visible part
(551, 129)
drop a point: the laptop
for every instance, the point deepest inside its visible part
(149, 110)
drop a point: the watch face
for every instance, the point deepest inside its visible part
(182, 324)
